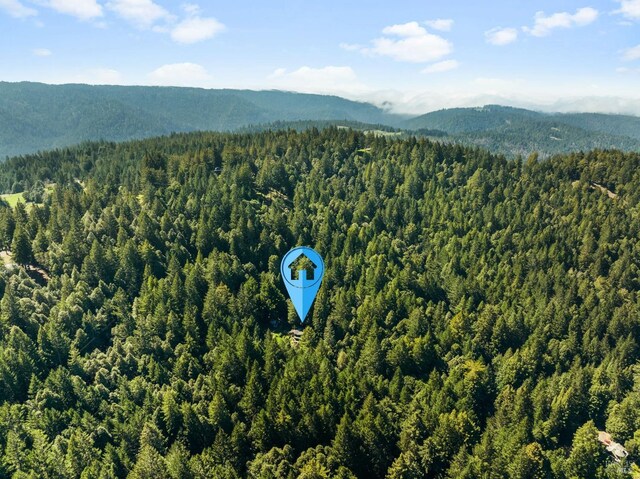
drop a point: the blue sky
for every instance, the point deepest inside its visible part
(414, 56)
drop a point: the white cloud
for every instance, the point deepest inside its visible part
(277, 73)
(16, 9)
(41, 52)
(145, 14)
(442, 24)
(629, 9)
(196, 29)
(501, 36)
(180, 74)
(81, 9)
(443, 66)
(632, 53)
(585, 16)
(407, 42)
(351, 47)
(601, 104)
(142, 13)
(543, 25)
(191, 8)
(626, 70)
(410, 29)
(330, 79)
(460, 91)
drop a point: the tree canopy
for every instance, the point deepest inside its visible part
(478, 317)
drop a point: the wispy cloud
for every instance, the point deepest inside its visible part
(441, 67)
(441, 24)
(196, 28)
(189, 26)
(631, 54)
(627, 71)
(81, 9)
(352, 47)
(406, 42)
(629, 9)
(192, 28)
(17, 9)
(329, 79)
(410, 29)
(180, 74)
(41, 52)
(142, 13)
(543, 25)
(501, 36)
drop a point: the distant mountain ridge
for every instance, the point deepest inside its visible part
(490, 117)
(37, 116)
(466, 120)
(514, 131)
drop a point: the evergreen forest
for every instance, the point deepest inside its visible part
(479, 316)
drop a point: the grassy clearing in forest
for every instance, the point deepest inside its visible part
(13, 198)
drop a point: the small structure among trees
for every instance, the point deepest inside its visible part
(616, 449)
(295, 335)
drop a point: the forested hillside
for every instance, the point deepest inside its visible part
(478, 317)
(625, 125)
(516, 131)
(35, 116)
(465, 120)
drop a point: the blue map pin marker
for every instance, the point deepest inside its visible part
(302, 270)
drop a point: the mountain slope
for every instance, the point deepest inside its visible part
(515, 131)
(625, 125)
(35, 116)
(478, 317)
(464, 120)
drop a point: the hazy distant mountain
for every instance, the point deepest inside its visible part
(465, 120)
(518, 131)
(35, 116)
(625, 125)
